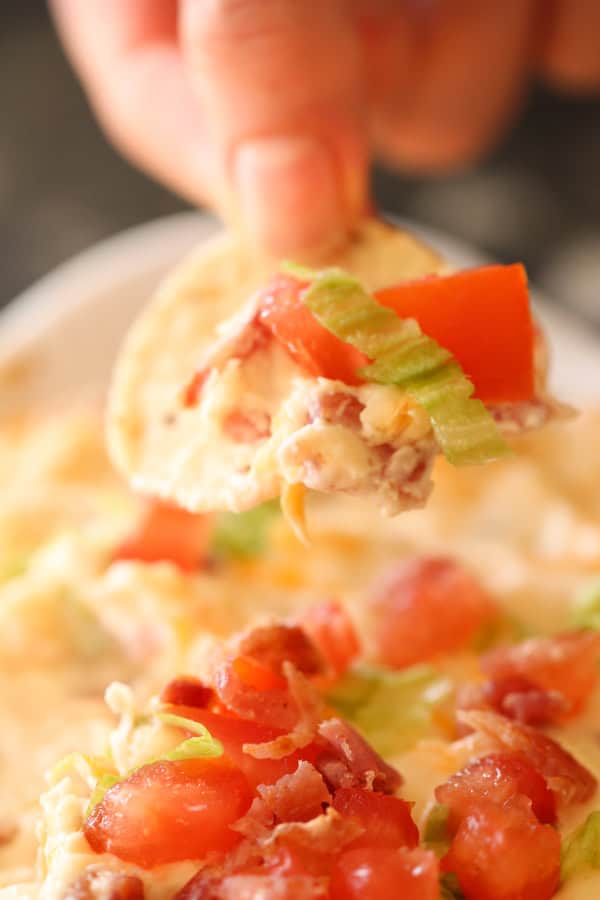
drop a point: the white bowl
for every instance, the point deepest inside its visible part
(60, 337)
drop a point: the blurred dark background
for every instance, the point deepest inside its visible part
(62, 187)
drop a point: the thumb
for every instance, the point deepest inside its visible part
(279, 86)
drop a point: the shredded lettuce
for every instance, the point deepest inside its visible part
(202, 746)
(436, 836)
(243, 535)
(392, 709)
(581, 849)
(402, 355)
(586, 612)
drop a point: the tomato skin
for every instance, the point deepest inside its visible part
(498, 777)
(427, 606)
(316, 350)
(386, 819)
(166, 533)
(233, 733)
(504, 853)
(185, 690)
(482, 317)
(331, 628)
(379, 873)
(170, 811)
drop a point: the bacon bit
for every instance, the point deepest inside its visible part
(337, 408)
(360, 765)
(325, 835)
(330, 627)
(274, 644)
(247, 427)
(257, 824)
(102, 884)
(514, 697)
(257, 676)
(297, 797)
(566, 664)
(274, 707)
(309, 705)
(272, 887)
(570, 781)
(252, 338)
(187, 691)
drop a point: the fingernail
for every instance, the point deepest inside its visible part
(289, 194)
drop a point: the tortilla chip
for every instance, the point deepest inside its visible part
(174, 452)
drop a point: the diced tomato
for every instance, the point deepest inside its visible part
(379, 873)
(498, 777)
(504, 853)
(258, 676)
(386, 820)
(482, 317)
(170, 811)
(187, 691)
(166, 533)
(427, 606)
(332, 630)
(568, 779)
(319, 352)
(233, 733)
(566, 664)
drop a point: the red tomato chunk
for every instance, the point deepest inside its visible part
(386, 820)
(170, 811)
(498, 777)
(382, 874)
(427, 606)
(504, 853)
(166, 533)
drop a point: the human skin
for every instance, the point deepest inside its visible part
(271, 110)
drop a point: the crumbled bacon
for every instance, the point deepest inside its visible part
(272, 645)
(308, 705)
(247, 427)
(272, 887)
(275, 708)
(336, 408)
(186, 691)
(514, 697)
(297, 797)
(349, 761)
(102, 884)
(570, 781)
(565, 665)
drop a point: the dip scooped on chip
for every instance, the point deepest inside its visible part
(244, 378)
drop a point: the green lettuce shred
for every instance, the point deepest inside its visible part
(393, 710)
(202, 746)
(402, 355)
(581, 849)
(243, 535)
(586, 612)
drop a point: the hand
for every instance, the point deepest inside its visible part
(269, 110)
